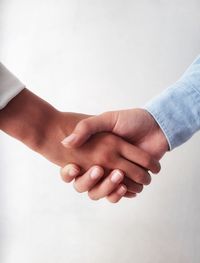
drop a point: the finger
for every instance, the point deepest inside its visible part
(130, 195)
(89, 179)
(87, 127)
(132, 186)
(132, 189)
(106, 186)
(69, 172)
(117, 194)
(134, 172)
(138, 156)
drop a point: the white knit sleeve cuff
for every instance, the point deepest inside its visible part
(10, 86)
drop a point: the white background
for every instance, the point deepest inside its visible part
(91, 56)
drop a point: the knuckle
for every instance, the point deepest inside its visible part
(65, 177)
(143, 177)
(83, 125)
(78, 188)
(103, 158)
(139, 188)
(138, 177)
(158, 167)
(108, 157)
(147, 179)
(152, 164)
(92, 196)
(112, 200)
(148, 161)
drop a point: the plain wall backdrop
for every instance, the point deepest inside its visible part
(91, 56)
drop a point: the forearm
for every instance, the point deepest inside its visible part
(26, 118)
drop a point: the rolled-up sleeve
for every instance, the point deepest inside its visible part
(177, 109)
(10, 86)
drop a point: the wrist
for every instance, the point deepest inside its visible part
(157, 131)
(154, 140)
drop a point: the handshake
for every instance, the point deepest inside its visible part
(109, 155)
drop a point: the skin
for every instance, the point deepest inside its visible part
(137, 126)
(41, 127)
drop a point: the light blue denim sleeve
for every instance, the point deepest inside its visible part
(177, 109)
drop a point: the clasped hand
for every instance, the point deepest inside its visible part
(119, 166)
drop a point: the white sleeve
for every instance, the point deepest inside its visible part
(10, 86)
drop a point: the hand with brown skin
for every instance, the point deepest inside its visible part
(41, 127)
(137, 126)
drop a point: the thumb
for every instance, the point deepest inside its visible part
(87, 127)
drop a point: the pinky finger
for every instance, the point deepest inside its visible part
(116, 195)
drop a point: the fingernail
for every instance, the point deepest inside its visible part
(122, 190)
(71, 138)
(116, 176)
(95, 173)
(71, 171)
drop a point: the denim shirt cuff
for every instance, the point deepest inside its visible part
(177, 112)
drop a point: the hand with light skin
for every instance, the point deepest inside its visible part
(42, 128)
(137, 126)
